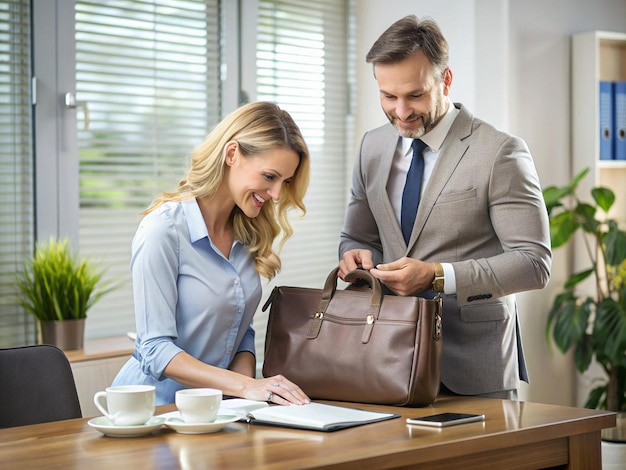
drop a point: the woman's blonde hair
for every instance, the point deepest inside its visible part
(257, 128)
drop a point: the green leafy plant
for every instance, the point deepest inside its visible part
(56, 285)
(592, 324)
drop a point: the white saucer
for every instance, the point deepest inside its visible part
(174, 421)
(103, 424)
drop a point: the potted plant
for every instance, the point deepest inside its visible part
(590, 318)
(58, 288)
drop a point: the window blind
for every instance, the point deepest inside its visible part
(301, 64)
(16, 180)
(149, 73)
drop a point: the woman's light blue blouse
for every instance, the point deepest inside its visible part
(188, 297)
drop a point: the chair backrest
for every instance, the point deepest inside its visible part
(36, 386)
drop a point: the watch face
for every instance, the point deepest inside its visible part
(438, 281)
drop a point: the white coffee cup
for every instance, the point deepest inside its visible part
(198, 405)
(127, 405)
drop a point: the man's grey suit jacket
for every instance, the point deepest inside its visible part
(482, 211)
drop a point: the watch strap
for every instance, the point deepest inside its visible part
(439, 278)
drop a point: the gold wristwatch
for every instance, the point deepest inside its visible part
(438, 281)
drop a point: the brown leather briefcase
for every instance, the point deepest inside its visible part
(355, 345)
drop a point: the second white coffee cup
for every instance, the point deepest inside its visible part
(127, 405)
(198, 405)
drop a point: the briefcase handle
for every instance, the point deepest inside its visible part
(330, 287)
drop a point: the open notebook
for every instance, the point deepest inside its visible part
(314, 416)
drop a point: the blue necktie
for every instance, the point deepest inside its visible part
(412, 189)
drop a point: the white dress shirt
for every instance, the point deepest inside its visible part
(400, 167)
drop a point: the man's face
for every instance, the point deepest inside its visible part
(411, 96)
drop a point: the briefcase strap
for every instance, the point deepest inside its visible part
(330, 287)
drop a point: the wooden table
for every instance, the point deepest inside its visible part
(515, 435)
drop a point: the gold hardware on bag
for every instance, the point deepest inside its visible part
(437, 334)
(437, 319)
(369, 327)
(316, 325)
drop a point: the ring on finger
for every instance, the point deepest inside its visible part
(270, 396)
(275, 385)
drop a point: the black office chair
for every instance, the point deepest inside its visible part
(36, 386)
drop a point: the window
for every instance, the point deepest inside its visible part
(16, 169)
(150, 78)
(149, 74)
(301, 64)
(150, 101)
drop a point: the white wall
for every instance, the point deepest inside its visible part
(373, 17)
(540, 109)
(510, 60)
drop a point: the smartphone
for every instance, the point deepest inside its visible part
(445, 419)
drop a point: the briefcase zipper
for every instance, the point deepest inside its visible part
(369, 319)
(368, 323)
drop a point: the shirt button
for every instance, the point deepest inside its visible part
(236, 282)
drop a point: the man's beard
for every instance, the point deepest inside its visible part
(429, 121)
(409, 133)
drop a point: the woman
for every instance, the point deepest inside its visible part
(199, 252)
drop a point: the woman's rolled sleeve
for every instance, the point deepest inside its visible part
(247, 343)
(155, 355)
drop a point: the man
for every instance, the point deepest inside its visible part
(480, 233)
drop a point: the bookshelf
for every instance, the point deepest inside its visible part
(596, 55)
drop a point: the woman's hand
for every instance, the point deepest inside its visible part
(276, 389)
(187, 370)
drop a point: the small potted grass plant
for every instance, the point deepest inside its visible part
(58, 288)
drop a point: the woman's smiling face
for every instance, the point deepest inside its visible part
(255, 179)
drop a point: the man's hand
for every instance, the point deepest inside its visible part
(405, 276)
(354, 259)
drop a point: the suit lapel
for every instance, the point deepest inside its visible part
(382, 177)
